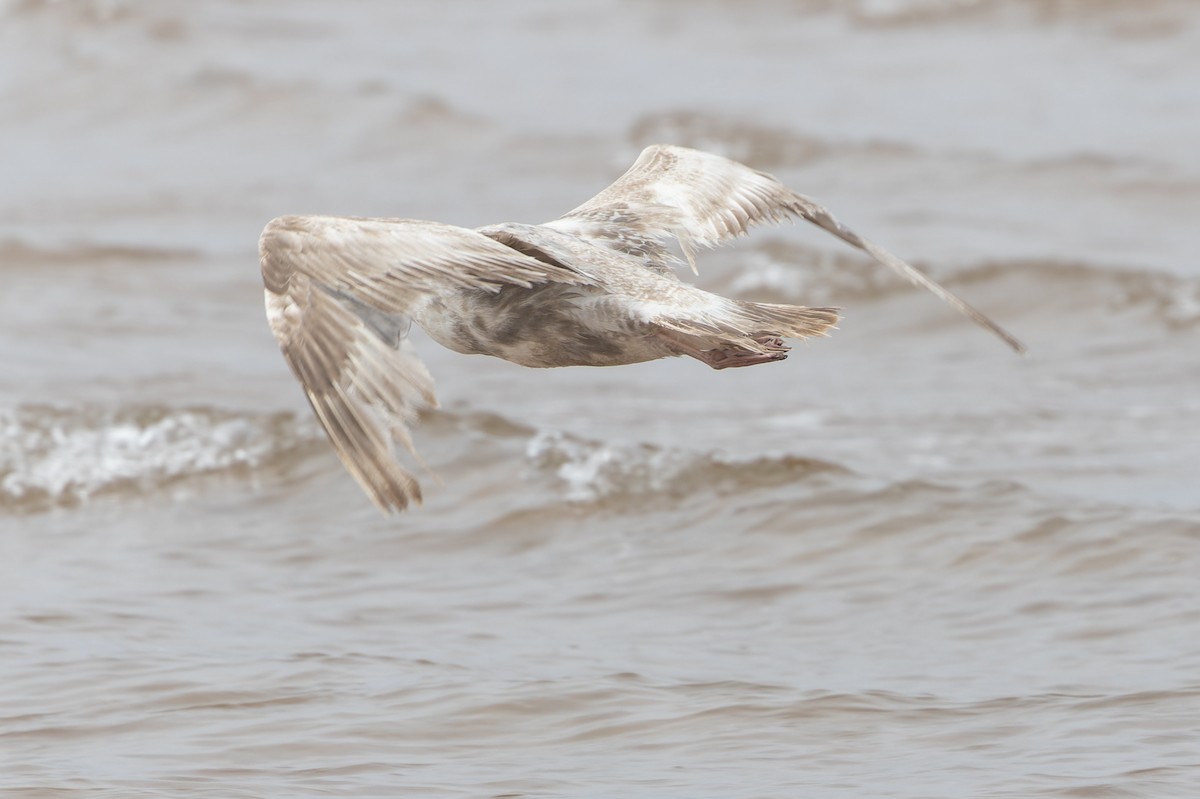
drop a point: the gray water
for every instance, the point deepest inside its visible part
(904, 563)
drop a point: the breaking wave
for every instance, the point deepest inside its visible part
(587, 471)
(55, 457)
(61, 457)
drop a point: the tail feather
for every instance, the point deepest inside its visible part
(787, 321)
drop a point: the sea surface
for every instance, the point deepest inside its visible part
(903, 563)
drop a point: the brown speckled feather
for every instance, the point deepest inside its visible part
(331, 287)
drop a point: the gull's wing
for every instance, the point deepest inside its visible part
(704, 200)
(339, 293)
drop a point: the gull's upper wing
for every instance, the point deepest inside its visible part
(699, 198)
(704, 200)
(339, 293)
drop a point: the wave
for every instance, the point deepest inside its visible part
(781, 271)
(54, 457)
(1117, 18)
(156, 21)
(62, 457)
(16, 253)
(588, 471)
(749, 142)
(1150, 16)
(775, 147)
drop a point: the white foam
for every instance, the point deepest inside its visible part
(590, 470)
(65, 456)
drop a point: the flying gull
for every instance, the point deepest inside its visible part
(595, 287)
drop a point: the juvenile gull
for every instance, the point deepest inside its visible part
(595, 287)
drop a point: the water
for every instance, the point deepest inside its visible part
(904, 563)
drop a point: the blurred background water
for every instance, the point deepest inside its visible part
(904, 563)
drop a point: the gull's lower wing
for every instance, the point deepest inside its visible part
(338, 292)
(704, 200)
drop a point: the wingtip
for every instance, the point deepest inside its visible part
(393, 498)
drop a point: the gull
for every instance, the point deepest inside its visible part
(595, 287)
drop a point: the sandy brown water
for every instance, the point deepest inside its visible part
(904, 563)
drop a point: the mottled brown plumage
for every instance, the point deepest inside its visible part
(595, 287)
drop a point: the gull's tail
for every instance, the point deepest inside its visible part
(786, 321)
